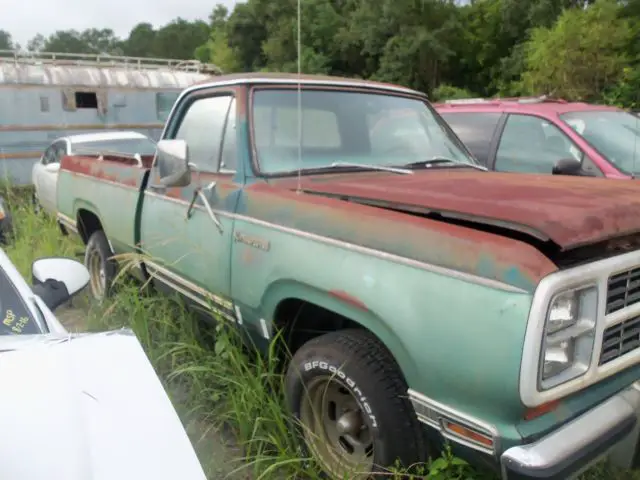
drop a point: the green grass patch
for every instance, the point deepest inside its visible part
(229, 398)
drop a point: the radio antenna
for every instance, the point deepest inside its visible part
(635, 145)
(299, 43)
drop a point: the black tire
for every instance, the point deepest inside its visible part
(368, 372)
(102, 269)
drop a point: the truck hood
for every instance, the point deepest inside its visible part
(569, 211)
(88, 407)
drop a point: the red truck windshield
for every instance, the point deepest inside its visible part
(347, 126)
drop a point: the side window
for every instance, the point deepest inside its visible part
(44, 103)
(202, 127)
(229, 159)
(531, 144)
(475, 130)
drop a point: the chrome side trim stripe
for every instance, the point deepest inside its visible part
(199, 295)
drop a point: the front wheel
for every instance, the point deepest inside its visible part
(102, 269)
(350, 399)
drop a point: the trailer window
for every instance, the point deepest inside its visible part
(164, 103)
(44, 103)
(86, 100)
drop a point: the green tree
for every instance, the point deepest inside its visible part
(141, 41)
(449, 92)
(217, 50)
(246, 32)
(582, 53)
(626, 92)
(101, 40)
(66, 41)
(180, 38)
(37, 43)
(6, 42)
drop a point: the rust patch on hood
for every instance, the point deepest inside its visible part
(409, 236)
(569, 211)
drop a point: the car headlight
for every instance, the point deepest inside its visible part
(568, 340)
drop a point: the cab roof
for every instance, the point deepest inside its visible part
(267, 78)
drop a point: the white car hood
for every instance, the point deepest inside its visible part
(88, 407)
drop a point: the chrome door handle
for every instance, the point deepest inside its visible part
(198, 193)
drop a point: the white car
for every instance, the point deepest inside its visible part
(44, 174)
(79, 406)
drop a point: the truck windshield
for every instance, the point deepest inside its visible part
(16, 316)
(615, 134)
(348, 126)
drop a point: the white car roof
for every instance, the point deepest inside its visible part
(100, 137)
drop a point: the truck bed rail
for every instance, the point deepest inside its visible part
(141, 161)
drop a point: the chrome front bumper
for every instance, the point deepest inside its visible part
(612, 428)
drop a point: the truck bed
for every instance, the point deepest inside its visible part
(105, 186)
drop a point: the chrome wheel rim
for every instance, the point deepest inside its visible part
(98, 277)
(335, 430)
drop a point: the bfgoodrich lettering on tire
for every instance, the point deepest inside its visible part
(351, 401)
(102, 270)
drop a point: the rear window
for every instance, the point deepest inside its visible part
(278, 127)
(475, 130)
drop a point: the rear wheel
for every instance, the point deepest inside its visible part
(350, 399)
(102, 269)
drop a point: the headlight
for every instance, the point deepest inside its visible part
(567, 344)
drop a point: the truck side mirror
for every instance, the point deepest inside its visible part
(567, 166)
(172, 162)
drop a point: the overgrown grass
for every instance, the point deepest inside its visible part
(229, 398)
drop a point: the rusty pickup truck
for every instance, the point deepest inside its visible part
(425, 300)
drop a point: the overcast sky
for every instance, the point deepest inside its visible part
(26, 18)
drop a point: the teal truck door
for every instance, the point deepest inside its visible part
(187, 232)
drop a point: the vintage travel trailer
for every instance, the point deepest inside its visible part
(44, 96)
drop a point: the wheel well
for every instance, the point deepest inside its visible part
(88, 222)
(300, 321)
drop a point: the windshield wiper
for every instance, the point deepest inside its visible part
(382, 168)
(442, 160)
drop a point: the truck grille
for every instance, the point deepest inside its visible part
(623, 289)
(620, 339)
